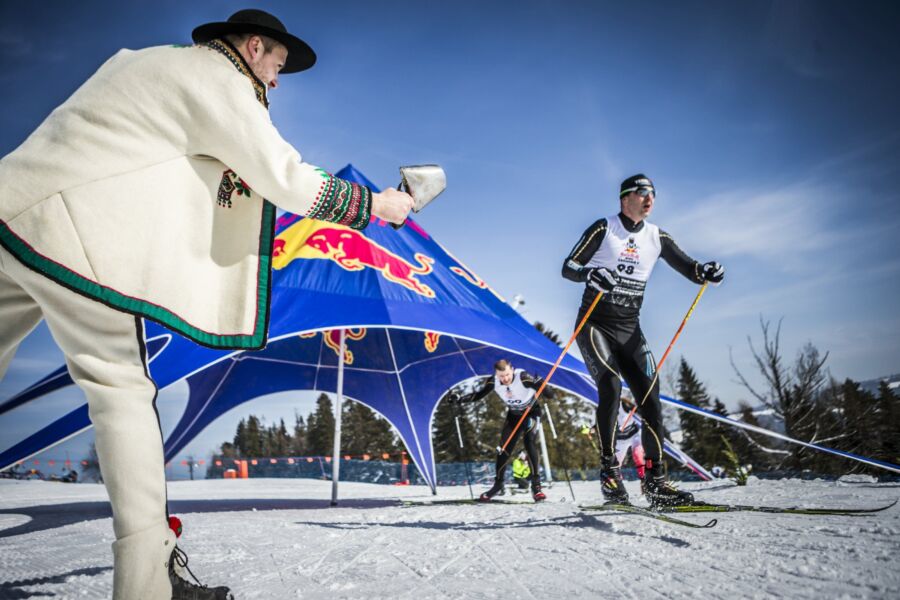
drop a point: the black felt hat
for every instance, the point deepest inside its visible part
(300, 55)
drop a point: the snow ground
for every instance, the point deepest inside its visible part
(278, 538)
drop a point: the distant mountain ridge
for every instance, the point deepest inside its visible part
(872, 385)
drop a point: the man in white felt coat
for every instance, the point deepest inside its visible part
(151, 193)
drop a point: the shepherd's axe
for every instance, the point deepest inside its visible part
(424, 183)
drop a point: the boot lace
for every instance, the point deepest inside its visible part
(191, 590)
(181, 559)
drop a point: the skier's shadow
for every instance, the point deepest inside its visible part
(14, 589)
(579, 520)
(51, 516)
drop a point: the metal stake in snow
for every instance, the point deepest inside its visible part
(464, 457)
(548, 475)
(336, 454)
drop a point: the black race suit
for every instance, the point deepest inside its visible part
(613, 345)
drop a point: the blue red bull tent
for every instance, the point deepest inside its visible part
(417, 322)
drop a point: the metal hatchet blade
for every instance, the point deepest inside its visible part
(424, 183)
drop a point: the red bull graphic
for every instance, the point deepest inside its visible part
(431, 340)
(470, 277)
(475, 280)
(350, 249)
(332, 339)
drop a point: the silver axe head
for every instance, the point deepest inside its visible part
(424, 183)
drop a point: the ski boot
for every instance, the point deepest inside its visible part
(660, 492)
(536, 492)
(611, 483)
(185, 590)
(496, 490)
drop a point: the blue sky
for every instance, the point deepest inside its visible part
(770, 128)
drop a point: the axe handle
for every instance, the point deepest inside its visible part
(400, 189)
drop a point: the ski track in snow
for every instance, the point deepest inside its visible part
(367, 549)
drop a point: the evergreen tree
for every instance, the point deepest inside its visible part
(252, 438)
(487, 418)
(240, 434)
(266, 435)
(571, 449)
(444, 434)
(228, 450)
(298, 440)
(281, 440)
(700, 435)
(751, 447)
(480, 422)
(365, 432)
(320, 428)
(549, 334)
(858, 424)
(887, 429)
(734, 465)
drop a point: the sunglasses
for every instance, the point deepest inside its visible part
(644, 192)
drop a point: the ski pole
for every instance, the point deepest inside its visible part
(553, 370)
(462, 447)
(663, 359)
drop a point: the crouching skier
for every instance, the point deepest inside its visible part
(517, 389)
(615, 257)
(521, 471)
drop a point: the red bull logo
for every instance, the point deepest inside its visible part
(352, 251)
(431, 340)
(332, 339)
(475, 280)
(471, 278)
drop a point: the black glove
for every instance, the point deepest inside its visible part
(712, 272)
(629, 430)
(602, 280)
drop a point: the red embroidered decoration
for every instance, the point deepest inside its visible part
(231, 183)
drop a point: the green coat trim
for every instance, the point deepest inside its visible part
(72, 280)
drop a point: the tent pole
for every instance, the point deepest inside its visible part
(336, 454)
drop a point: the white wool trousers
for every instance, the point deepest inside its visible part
(105, 354)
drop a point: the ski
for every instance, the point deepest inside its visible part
(705, 507)
(452, 501)
(637, 510)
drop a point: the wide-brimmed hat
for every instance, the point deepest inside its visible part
(300, 55)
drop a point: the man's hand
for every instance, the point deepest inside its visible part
(713, 272)
(603, 280)
(392, 205)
